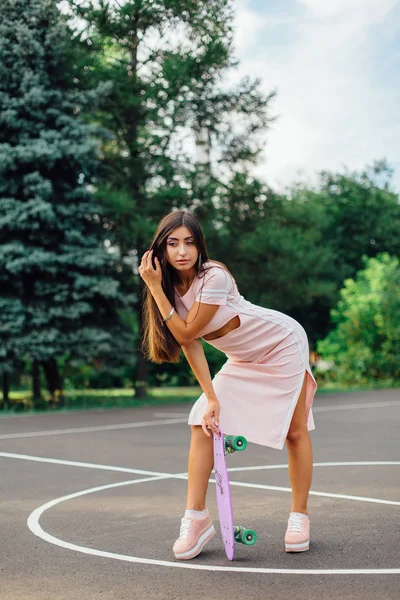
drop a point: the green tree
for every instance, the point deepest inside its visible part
(356, 215)
(274, 246)
(362, 216)
(365, 344)
(177, 133)
(58, 291)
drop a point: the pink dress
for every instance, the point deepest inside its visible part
(259, 385)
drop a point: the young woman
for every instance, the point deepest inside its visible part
(265, 389)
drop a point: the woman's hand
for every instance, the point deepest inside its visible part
(211, 418)
(152, 277)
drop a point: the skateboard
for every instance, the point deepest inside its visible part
(231, 533)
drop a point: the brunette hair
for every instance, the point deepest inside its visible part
(158, 343)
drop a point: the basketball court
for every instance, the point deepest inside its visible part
(91, 505)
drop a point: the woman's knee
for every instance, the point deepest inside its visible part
(297, 434)
(298, 426)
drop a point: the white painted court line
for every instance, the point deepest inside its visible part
(275, 488)
(29, 434)
(353, 463)
(85, 465)
(376, 463)
(257, 486)
(36, 529)
(159, 415)
(175, 419)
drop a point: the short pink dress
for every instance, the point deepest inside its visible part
(268, 357)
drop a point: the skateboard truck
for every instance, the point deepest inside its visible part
(248, 537)
(234, 443)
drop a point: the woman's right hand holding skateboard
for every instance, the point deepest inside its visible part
(211, 417)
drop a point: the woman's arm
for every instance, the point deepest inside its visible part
(196, 358)
(197, 318)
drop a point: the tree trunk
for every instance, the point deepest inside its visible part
(54, 383)
(5, 403)
(203, 154)
(36, 382)
(141, 375)
(142, 368)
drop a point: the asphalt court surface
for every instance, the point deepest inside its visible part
(91, 502)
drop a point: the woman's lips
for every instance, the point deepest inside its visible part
(182, 262)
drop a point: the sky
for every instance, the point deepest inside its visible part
(335, 65)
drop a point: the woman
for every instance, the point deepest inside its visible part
(265, 389)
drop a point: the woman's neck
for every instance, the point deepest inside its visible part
(186, 279)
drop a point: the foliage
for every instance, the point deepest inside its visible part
(362, 217)
(166, 61)
(58, 290)
(141, 86)
(274, 246)
(365, 343)
(351, 215)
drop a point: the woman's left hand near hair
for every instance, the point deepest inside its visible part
(152, 277)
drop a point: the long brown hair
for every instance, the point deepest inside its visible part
(158, 343)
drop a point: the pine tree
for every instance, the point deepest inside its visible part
(58, 292)
(167, 60)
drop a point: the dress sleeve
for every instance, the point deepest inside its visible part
(215, 287)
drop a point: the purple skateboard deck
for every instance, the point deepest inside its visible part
(224, 500)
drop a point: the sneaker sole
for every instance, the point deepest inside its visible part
(298, 547)
(206, 537)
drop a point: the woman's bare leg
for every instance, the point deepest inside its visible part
(300, 456)
(201, 460)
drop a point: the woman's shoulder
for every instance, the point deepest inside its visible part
(215, 263)
(214, 266)
(216, 276)
(213, 270)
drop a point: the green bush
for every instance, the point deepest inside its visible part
(365, 345)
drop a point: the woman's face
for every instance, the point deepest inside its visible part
(181, 251)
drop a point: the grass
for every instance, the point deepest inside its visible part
(76, 400)
(335, 388)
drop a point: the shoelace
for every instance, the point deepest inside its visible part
(185, 526)
(295, 523)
